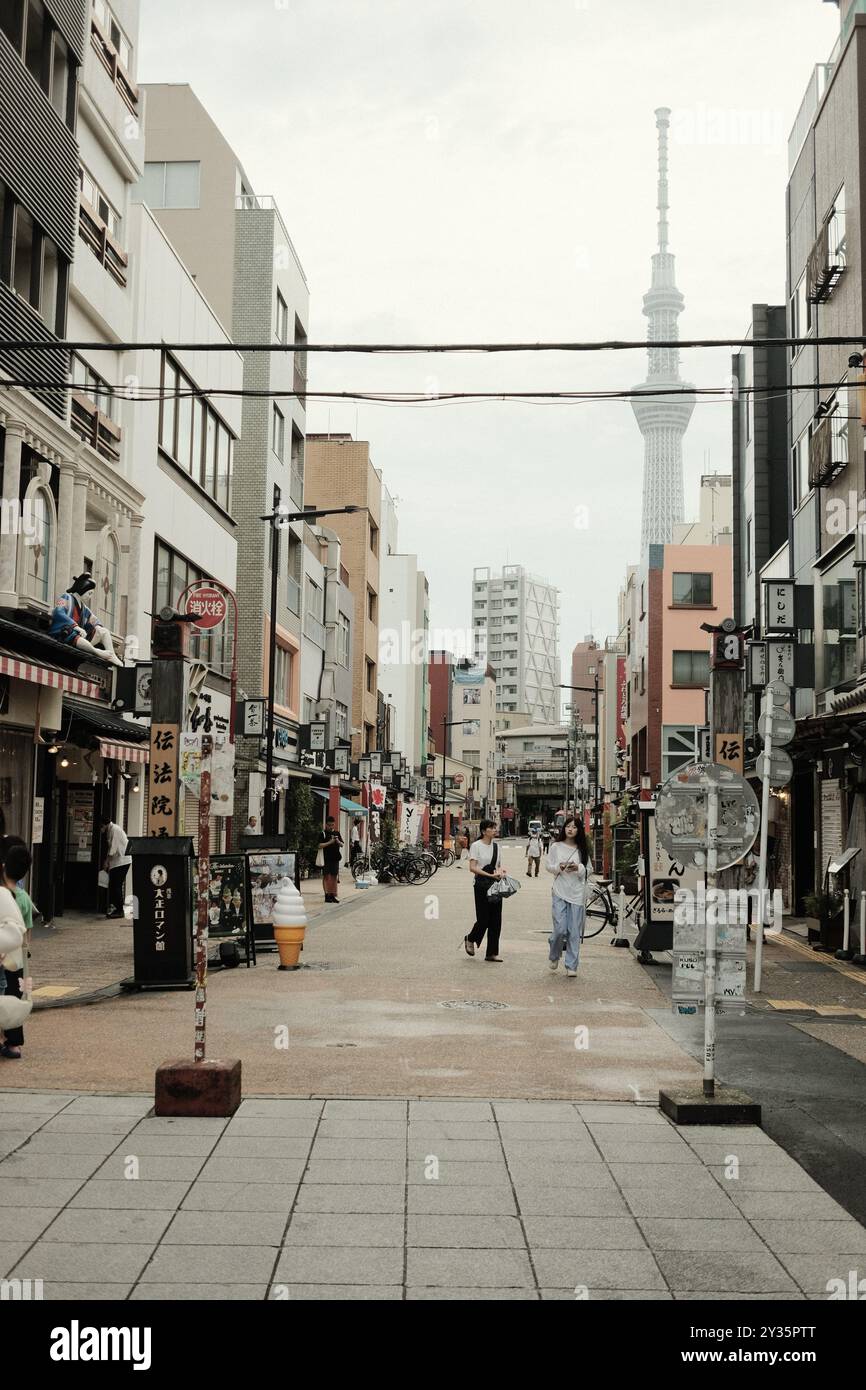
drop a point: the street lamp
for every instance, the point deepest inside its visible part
(279, 518)
(446, 724)
(590, 690)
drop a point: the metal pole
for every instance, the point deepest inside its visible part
(203, 889)
(710, 948)
(444, 738)
(270, 816)
(769, 708)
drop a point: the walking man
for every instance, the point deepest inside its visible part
(533, 854)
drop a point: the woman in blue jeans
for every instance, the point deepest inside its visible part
(569, 862)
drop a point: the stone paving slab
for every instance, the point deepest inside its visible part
(411, 1200)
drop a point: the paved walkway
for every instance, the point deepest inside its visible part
(397, 1199)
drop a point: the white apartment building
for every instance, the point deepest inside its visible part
(404, 622)
(515, 617)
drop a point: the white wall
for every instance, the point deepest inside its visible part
(169, 306)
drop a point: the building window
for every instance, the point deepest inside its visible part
(99, 226)
(39, 545)
(837, 243)
(278, 433)
(341, 720)
(372, 606)
(107, 578)
(680, 746)
(691, 669)
(172, 574)
(801, 313)
(750, 539)
(112, 30)
(284, 665)
(193, 435)
(839, 623)
(281, 328)
(800, 467)
(693, 590)
(170, 184)
(371, 677)
(343, 638)
(299, 366)
(374, 539)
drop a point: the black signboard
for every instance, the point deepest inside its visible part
(162, 910)
(228, 916)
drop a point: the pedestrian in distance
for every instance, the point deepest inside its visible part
(330, 848)
(533, 854)
(571, 866)
(16, 922)
(252, 826)
(485, 867)
(355, 841)
(116, 863)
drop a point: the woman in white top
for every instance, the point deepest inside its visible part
(485, 868)
(569, 862)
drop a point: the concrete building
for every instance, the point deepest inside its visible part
(236, 245)
(671, 593)
(473, 740)
(535, 767)
(404, 625)
(662, 420)
(339, 473)
(760, 460)
(515, 618)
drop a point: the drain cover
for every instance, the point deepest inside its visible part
(470, 1004)
(323, 965)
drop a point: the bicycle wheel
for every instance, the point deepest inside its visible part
(597, 913)
(360, 867)
(448, 858)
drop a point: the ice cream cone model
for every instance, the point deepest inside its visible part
(289, 922)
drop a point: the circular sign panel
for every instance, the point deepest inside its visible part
(784, 726)
(704, 808)
(207, 606)
(780, 768)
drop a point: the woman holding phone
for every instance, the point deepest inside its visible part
(571, 866)
(486, 869)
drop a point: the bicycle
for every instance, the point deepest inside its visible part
(602, 910)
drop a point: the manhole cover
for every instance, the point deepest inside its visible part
(471, 1004)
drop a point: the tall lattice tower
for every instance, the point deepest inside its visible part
(662, 420)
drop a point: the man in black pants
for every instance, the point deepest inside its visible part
(484, 865)
(117, 862)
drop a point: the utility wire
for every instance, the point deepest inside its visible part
(603, 345)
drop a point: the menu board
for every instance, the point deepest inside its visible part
(265, 872)
(79, 825)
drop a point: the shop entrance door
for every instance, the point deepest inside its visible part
(81, 847)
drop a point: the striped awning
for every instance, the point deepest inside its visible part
(20, 670)
(124, 752)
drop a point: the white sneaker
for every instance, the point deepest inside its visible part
(553, 965)
(571, 974)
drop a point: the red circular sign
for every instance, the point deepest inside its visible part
(208, 607)
(458, 779)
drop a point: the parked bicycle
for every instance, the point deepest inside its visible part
(602, 908)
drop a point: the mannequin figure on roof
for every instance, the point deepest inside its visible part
(73, 622)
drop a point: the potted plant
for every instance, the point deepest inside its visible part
(825, 904)
(626, 865)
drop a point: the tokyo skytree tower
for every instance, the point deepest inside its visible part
(662, 420)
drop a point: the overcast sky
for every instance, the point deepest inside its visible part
(482, 170)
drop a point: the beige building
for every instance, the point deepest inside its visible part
(339, 474)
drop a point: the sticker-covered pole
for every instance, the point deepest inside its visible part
(203, 896)
(710, 946)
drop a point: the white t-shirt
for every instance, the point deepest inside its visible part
(483, 854)
(570, 884)
(533, 849)
(117, 842)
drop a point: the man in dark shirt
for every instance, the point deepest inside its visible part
(331, 845)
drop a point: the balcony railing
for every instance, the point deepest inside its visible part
(108, 56)
(293, 595)
(299, 378)
(825, 461)
(296, 487)
(95, 234)
(314, 629)
(826, 263)
(817, 86)
(96, 429)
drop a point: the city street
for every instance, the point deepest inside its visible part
(552, 1165)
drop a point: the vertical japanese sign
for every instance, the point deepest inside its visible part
(162, 784)
(621, 715)
(729, 751)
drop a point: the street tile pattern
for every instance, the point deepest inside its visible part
(407, 1199)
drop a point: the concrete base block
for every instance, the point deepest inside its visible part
(198, 1088)
(689, 1106)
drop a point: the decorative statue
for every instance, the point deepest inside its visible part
(72, 622)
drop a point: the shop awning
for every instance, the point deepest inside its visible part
(124, 752)
(94, 723)
(41, 674)
(353, 807)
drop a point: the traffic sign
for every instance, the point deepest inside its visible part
(783, 728)
(779, 692)
(683, 815)
(780, 768)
